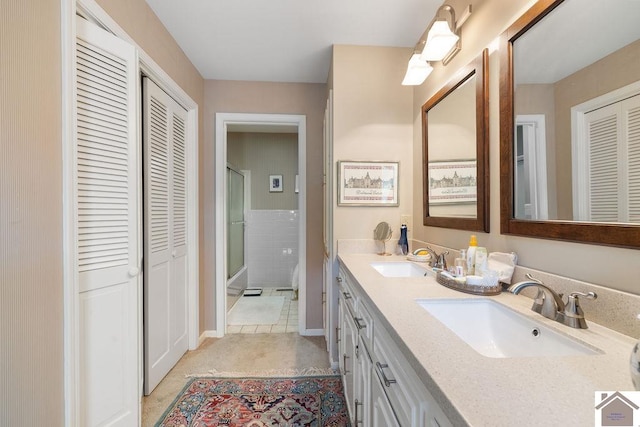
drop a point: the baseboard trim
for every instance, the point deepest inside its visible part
(210, 334)
(312, 332)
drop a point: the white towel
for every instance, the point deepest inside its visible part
(504, 264)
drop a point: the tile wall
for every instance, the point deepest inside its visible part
(272, 237)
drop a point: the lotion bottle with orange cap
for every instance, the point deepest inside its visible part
(471, 255)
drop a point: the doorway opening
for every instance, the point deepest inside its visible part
(274, 199)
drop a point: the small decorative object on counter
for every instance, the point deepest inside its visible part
(460, 264)
(471, 254)
(420, 255)
(403, 243)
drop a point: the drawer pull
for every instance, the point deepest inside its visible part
(387, 381)
(346, 295)
(358, 324)
(337, 334)
(344, 363)
(338, 279)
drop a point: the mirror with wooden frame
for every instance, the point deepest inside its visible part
(570, 123)
(455, 147)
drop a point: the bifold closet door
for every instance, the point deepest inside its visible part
(165, 255)
(107, 233)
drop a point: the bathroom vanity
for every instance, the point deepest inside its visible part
(401, 366)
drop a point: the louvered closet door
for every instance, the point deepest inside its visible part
(604, 133)
(614, 162)
(107, 234)
(165, 290)
(631, 126)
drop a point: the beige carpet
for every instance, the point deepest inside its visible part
(237, 353)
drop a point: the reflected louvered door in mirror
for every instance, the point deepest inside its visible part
(165, 261)
(107, 233)
(607, 166)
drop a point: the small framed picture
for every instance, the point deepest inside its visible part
(275, 183)
(368, 183)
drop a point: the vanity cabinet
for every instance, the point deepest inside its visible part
(380, 386)
(347, 351)
(381, 412)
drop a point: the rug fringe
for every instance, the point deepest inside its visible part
(302, 372)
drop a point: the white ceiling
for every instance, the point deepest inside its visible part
(286, 40)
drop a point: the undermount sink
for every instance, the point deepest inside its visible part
(400, 269)
(494, 330)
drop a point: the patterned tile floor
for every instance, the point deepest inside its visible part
(288, 321)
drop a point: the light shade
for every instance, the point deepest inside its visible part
(417, 71)
(440, 41)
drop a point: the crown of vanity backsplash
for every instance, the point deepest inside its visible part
(613, 309)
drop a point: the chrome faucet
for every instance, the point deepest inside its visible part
(550, 304)
(437, 261)
(573, 314)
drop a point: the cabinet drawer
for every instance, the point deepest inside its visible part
(365, 323)
(393, 373)
(411, 401)
(346, 291)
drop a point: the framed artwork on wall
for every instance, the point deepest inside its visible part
(275, 183)
(367, 183)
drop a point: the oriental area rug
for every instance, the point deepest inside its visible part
(313, 401)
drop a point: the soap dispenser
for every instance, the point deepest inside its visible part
(403, 243)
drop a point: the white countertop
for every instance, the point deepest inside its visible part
(476, 390)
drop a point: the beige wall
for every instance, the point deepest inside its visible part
(143, 26)
(267, 154)
(372, 121)
(267, 98)
(615, 268)
(31, 282)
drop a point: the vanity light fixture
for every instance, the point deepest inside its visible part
(439, 42)
(417, 71)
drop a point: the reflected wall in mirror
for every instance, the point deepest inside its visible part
(455, 151)
(570, 122)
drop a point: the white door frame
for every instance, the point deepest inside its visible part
(536, 155)
(222, 121)
(91, 10)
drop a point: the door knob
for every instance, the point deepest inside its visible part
(134, 271)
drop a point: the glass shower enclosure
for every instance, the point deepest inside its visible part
(235, 222)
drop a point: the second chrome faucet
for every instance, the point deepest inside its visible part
(550, 304)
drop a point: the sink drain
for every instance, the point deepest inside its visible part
(535, 332)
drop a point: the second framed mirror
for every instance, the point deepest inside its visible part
(455, 138)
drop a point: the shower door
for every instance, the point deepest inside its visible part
(235, 222)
